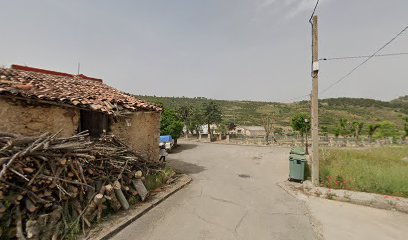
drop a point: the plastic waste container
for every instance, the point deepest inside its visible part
(297, 151)
(297, 164)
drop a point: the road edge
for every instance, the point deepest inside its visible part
(314, 222)
(358, 198)
(118, 222)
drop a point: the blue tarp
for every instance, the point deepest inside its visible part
(164, 139)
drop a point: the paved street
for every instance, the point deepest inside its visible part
(339, 220)
(233, 196)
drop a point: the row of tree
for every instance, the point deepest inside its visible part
(192, 118)
(345, 128)
(374, 131)
(189, 117)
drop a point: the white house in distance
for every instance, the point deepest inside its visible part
(203, 129)
(250, 131)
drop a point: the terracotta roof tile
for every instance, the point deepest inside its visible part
(76, 91)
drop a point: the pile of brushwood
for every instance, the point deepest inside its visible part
(53, 187)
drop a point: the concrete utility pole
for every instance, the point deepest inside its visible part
(315, 106)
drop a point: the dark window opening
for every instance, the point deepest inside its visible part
(94, 122)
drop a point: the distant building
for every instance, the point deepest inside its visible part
(34, 101)
(250, 131)
(204, 129)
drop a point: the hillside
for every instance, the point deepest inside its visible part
(331, 110)
(401, 100)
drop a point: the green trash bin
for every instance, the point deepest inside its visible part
(297, 151)
(297, 165)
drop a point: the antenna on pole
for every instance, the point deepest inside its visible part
(79, 67)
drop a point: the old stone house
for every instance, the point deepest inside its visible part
(34, 101)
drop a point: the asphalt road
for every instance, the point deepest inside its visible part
(233, 196)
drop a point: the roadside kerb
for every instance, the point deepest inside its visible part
(360, 198)
(119, 221)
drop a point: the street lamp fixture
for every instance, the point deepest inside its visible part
(306, 128)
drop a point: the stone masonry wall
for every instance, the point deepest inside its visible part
(141, 132)
(21, 117)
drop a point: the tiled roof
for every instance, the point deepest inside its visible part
(76, 90)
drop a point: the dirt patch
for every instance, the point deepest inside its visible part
(182, 147)
(184, 167)
(244, 176)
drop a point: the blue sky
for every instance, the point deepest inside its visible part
(222, 49)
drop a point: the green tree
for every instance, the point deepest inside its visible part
(372, 128)
(406, 128)
(357, 128)
(268, 126)
(196, 120)
(184, 114)
(222, 128)
(325, 131)
(344, 127)
(211, 114)
(337, 132)
(170, 124)
(387, 129)
(231, 126)
(299, 124)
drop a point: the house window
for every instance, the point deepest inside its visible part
(239, 131)
(94, 122)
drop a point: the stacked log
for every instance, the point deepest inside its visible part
(50, 185)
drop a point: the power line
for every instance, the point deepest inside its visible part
(365, 61)
(310, 21)
(314, 10)
(356, 57)
(358, 66)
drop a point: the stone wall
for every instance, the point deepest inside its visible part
(22, 117)
(141, 132)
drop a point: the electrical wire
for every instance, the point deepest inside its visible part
(310, 21)
(375, 54)
(356, 57)
(363, 62)
(314, 10)
(355, 68)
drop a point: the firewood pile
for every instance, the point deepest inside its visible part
(51, 186)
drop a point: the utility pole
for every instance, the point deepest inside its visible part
(315, 105)
(307, 129)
